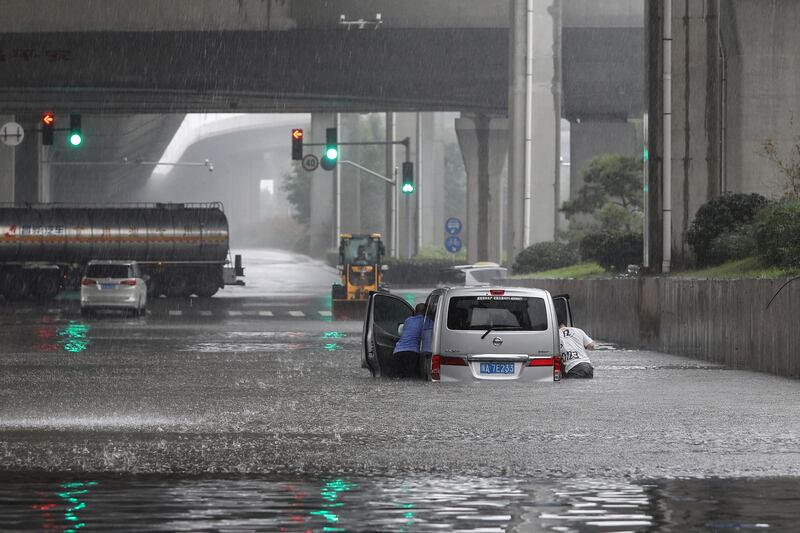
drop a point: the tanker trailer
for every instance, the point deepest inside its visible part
(182, 248)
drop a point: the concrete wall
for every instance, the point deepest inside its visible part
(721, 321)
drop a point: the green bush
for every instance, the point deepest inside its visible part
(545, 256)
(734, 245)
(613, 250)
(777, 234)
(724, 214)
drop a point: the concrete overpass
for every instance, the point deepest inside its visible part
(109, 57)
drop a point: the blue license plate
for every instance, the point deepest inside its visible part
(497, 368)
(108, 285)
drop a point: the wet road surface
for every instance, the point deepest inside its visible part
(281, 396)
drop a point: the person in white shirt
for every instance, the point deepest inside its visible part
(574, 361)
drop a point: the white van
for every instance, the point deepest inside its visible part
(473, 334)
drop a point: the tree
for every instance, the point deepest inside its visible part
(790, 168)
(297, 186)
(612, 193)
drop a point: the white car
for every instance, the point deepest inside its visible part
(113, 285)
(481, 273)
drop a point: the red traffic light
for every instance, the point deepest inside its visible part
(48, 118)
(297, 144)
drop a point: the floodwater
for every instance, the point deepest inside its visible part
(251, 413)
(393, 504)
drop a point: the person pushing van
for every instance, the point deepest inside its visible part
(406, 351)
(574, 343)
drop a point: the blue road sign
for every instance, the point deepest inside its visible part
(453, 244)
(453, 226)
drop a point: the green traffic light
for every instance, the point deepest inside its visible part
(408, 188)
(331, 153)
(75, 139)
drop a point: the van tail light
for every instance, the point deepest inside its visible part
(541, 361)
(436, 367)
(88, 281)
(554, 361)
(131, 282)
(453, 361)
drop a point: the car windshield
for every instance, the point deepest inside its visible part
(361, 250)
(108, 271)
(497, 312)
(487, 275)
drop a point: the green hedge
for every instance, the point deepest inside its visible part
(545, 256)
(728, 213)
(613, 250)
(777, 234)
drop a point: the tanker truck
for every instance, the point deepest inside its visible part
(182, 248)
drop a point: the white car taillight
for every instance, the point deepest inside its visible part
(87, 281)
(131, 282)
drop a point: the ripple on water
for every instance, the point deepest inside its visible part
(354, 503)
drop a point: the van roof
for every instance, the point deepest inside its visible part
(485, 290)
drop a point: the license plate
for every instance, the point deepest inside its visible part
(497, 368)
(108, 285)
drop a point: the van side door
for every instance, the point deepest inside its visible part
(385, 314)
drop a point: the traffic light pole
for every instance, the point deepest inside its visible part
(405, 142)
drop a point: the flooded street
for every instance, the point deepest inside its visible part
(252, 412)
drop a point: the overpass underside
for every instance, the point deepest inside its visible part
(256, 71)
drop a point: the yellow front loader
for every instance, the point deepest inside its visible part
(360, 267)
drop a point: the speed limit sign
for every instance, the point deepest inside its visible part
(310, 162)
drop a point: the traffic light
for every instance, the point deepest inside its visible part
(48, 122)
(408, 177)
(75, 137)
(331, 154)
(297, 144)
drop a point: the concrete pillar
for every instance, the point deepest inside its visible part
(322, 225)
(545, 113)
(350, 178)
(513, 237)
(31, 178)
(7, 154)
(484, 146)
(431, 182)
(407, 127)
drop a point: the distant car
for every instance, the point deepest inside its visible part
(473, 334)
(482, 273)
(113, 285)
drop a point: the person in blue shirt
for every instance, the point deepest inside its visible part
(406, 351)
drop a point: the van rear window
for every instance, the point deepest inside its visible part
(497, 312)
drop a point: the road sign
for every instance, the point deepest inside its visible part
(11, 134)
(453, 226)
(310, 162)
(453, 244)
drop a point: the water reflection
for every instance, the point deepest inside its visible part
(392, 504)
(72, 337)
